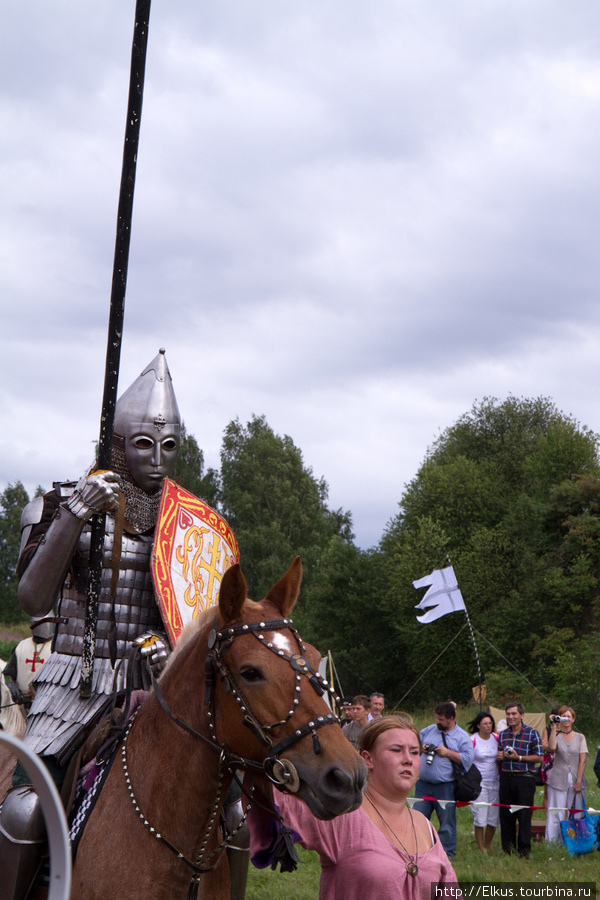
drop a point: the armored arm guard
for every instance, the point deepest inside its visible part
(49, 542)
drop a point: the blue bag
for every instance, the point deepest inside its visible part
(579, 834)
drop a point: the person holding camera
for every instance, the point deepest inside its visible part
(566, 778)
(519, 751)
(443, 743)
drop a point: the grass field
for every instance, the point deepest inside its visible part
(547, 863)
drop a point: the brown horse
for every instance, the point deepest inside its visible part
(187, 733)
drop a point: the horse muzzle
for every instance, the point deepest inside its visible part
(335, 790)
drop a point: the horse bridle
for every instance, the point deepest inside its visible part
(219, 642)
(280, 771)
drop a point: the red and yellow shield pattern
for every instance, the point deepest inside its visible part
(193, 548)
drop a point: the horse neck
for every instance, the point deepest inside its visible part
(174, 775)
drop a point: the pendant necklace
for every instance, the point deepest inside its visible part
(411, 866)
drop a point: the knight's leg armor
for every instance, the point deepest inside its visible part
(22, 840)
(238, 854)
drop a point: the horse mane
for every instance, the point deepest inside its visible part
(190, 630)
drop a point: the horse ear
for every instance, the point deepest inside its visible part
(232, 594)
(285, 593)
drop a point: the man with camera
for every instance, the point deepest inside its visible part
(519, 750)
(443, 744)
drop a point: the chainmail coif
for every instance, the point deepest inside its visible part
(141, 509)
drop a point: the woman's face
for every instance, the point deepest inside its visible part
(566, 726)
(485, 727)
(394, 762)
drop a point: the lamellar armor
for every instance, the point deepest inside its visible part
(54, 727)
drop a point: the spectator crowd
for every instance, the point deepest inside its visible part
(512, 759)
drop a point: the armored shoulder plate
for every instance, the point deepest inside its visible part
(31, 515)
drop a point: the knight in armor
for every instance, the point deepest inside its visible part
(53, 572)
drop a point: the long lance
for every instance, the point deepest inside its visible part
(115, 325)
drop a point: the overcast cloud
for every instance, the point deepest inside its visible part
(354, 217)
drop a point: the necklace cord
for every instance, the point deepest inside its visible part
(411, 866)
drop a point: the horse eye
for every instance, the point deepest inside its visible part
(252, 675)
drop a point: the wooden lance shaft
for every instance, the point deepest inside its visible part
(115, 324)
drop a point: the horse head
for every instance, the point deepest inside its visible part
(268, 698)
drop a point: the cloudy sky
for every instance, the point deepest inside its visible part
(353, 216)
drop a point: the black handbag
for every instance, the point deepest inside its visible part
(467, 785)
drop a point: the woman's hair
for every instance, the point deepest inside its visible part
(373, 731)
(563, 709)
(474, 723)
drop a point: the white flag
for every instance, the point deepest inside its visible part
(443, 596)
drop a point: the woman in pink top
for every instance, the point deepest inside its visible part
(384, 849)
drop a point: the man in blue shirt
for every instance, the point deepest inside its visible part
(519, 749)
(447, 743)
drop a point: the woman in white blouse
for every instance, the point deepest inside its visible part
(485, 742)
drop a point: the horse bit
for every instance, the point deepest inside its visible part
(280, 771)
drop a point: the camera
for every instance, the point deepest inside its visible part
(429, 751)
(559, 718)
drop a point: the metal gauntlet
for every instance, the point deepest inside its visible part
(153, 648)
(94, 494)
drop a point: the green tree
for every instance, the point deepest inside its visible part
(345, 613)
(189, 471)
(274, 504)
(577, 678)
(511, 495)
(12, 502)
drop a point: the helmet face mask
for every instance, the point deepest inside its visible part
(151, 455)
(148, 426)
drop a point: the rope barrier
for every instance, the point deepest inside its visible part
(513, 807)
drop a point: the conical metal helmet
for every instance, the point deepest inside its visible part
(148, 402)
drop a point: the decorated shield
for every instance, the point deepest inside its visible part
(193, 548)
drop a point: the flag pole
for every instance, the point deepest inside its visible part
(115, 325)
(479, 675)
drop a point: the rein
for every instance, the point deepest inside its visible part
(280, 771)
